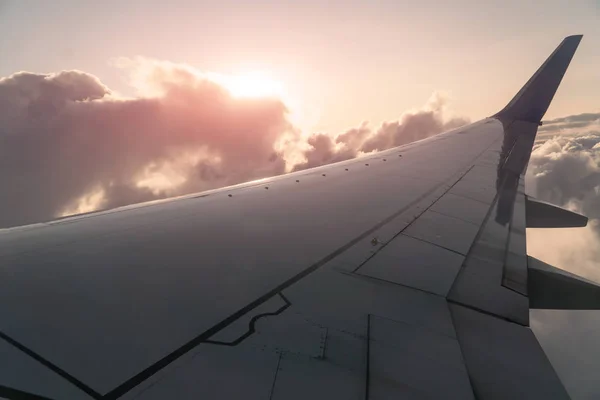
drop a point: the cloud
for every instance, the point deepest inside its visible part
(571, 122)
(69, 144)
(412, 125)
(585, 118)
(64, 136)
(564, 169)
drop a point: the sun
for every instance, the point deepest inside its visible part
(253, 85)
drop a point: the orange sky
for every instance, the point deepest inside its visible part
(340, 63)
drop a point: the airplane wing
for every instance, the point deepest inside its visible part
(401, 274)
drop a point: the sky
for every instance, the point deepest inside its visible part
(344, 61)
(110, 103)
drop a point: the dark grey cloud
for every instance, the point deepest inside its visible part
(585, 117)
(562, 126)
(570, 122)
(67, 144)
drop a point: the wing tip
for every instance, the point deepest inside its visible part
(574, 37)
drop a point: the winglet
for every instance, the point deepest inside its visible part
(532, 101)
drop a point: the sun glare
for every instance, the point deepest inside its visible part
(253, 85)
(257, 84)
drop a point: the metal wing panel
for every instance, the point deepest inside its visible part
(414, 263)
(18, 371)
(408, 361)
(505, 360)
(122, 288)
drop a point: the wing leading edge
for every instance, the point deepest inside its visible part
(402, 274)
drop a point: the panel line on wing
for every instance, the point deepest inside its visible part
(15, 394)
(174, 355)
(275, 377)
(460, 177)
(368, 369)
(54, 368)
(251, 325)
(415, 219)
(388, 282)
(434, 244)
(452, 216)
(462, 353)
(476, 240)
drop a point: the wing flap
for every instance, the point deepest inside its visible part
(545, 215)
(555, 289)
